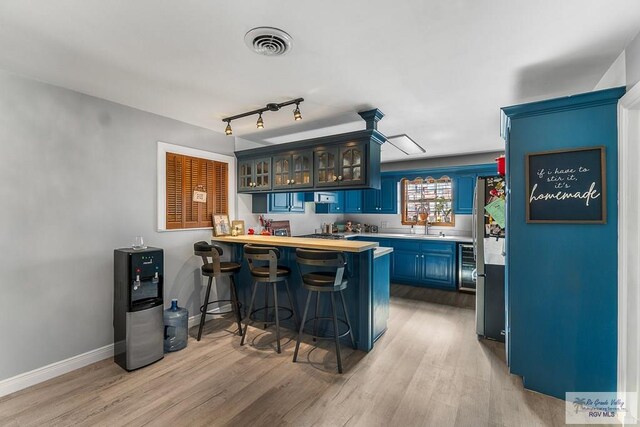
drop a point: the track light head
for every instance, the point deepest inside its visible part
(260, 123)
(296, 113)
(228, 130)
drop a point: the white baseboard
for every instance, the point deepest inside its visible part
(27, 379)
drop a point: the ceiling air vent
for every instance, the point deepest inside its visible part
(268, 41)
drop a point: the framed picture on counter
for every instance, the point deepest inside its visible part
(221, 225)
(238, 226)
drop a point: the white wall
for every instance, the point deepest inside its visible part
(615, 76)
(632, 62)
(78, 179)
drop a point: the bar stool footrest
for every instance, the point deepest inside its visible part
(328, 337)
(219, 313)
(270, 322)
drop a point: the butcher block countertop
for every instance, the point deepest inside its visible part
(344, 245)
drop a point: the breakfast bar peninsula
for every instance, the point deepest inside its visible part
(368, 271)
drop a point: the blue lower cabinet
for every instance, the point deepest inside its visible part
(278, 203)
(406, 265)
(380, 295)
(428, 264)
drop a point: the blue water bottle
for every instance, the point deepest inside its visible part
(176, 327)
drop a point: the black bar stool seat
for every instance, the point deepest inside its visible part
(214, 270)
(263, 272)
(225, 267)
(264, 268)
(324, 281)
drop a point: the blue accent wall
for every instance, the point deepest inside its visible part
(562, 278)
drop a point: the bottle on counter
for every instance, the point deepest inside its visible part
(176, 327)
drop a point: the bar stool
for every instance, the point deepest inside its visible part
(263, 264)
(324, 281)
(215, 270)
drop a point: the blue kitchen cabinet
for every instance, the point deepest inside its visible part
(278, 203)
(383, 201)
(406, 265)
(353, 201)
(337, 207)
(380, 295)
(426, 263)
(464, 189)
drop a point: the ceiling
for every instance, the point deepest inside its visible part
(439, 70)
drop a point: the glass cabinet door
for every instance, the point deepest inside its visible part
(351, 164)
(326, 168)
(245, 175)
(301, 169)
(262, 174)
(281, 171)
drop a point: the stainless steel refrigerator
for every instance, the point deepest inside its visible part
(489, 250)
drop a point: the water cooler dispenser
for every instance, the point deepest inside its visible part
(138, 327)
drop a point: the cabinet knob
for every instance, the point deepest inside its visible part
(340, 178)
(335, 178)
(288, 181)
(293, 181)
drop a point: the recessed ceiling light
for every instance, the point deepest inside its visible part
(405, 144)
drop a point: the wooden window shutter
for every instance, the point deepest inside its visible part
(174, 191)
(184, 175)
(222, 186)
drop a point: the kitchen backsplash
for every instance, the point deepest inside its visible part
(391, 223)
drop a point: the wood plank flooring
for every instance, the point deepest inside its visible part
(429, 369)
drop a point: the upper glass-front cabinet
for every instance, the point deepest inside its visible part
(351, 165)
(343, 165)
(293, 171)
(325, 164)
(254, 175)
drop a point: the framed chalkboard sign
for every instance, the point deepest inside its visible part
(567, 186)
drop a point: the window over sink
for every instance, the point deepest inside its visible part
(427, 200)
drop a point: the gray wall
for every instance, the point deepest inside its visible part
(78, 179)
(439, 162)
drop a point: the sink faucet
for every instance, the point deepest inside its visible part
(426, 227)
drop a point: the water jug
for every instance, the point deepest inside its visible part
(176, 327)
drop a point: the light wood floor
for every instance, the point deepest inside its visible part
(428, 369)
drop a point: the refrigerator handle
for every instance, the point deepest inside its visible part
(474, 225)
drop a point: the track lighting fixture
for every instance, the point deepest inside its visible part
(269, 107)
(296, 113)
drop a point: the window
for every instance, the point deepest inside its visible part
(427, 199)
(186, 174)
